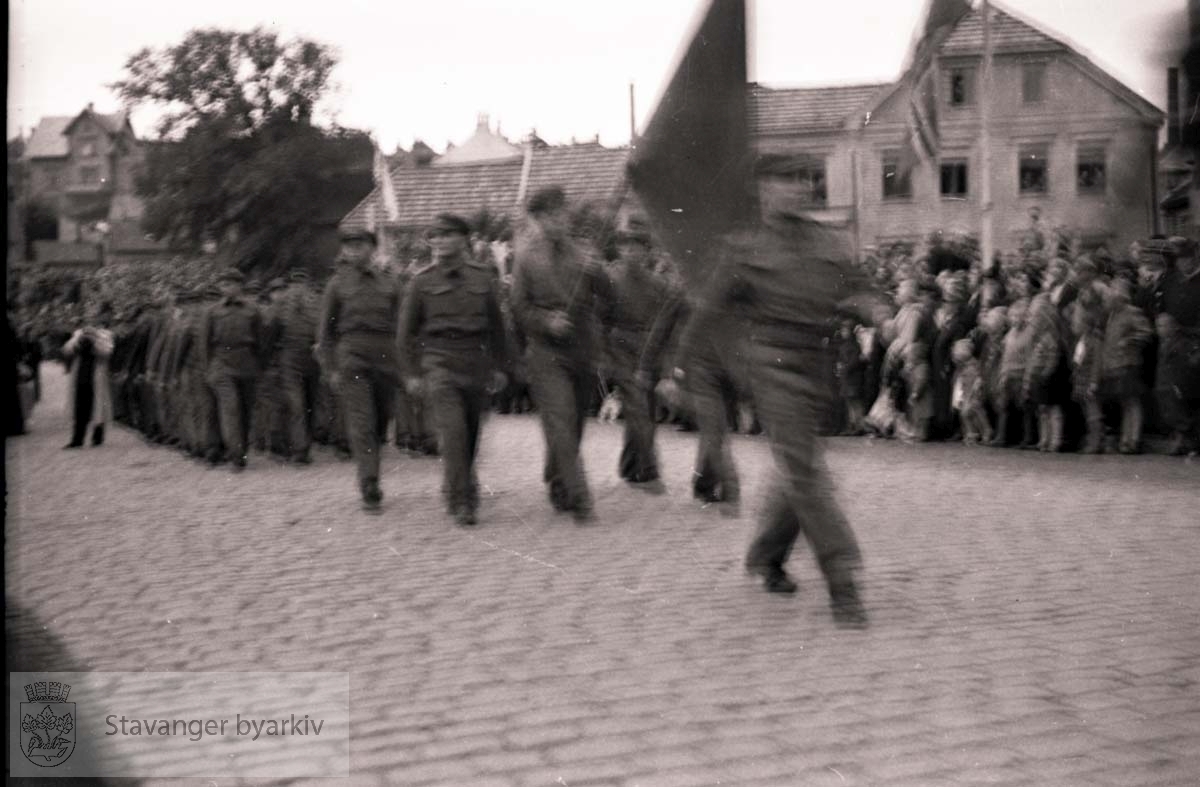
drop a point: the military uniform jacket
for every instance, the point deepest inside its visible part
(556, 275)
(359, 311)
(233, 338)
(451, 321)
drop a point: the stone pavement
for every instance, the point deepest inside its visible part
(1035, 618)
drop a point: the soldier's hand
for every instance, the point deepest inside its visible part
(414, 386)
(678, 374)
(559, 324)
(499, 382)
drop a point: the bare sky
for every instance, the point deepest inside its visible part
(423, 70)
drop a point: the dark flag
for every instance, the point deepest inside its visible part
(691, 169)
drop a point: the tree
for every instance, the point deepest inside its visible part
(240, 161)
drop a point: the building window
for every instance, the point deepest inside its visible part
(799, 180)
(962, 87)
(897, 182)
(1090, 169)
(954, 178)
(87, 146)
(1032, 170)
(89, 176)
(1033, 78)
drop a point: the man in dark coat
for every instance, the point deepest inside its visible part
(451, 345)
(557, 291)
(231, 354)
(356, 336)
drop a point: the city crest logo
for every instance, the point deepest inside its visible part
(47, 724)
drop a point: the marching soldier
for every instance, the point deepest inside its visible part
(232, 349)
(293, 326)
(452, 344)
(411, 411)
(786, 280)
(637, 295)
(555, 293)
(356, 334)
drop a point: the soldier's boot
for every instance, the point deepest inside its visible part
(98, 435)
(1000, 437)
(1131, 427)
(372, 496)
(844, 601)
(775, 578)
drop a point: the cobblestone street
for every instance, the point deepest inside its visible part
(1035, 619)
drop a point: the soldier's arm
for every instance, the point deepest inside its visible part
(204, 337)
(408, 324)
(327, 326)
(660, 333)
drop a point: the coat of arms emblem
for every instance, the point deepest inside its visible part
(47, 724)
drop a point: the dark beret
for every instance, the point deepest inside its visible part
(546, 200)
(276, 284)
(234, 275)
(297, 275)
(636, 230)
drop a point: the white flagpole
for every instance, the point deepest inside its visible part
(986, 241)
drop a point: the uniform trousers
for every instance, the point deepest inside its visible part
(562, 387)
(367, 365)
(790, 393)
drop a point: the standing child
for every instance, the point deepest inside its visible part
(968, 394)
(1086, 365)
(1013, 360)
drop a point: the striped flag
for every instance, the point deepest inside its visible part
(924, 78)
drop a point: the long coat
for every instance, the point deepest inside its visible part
(102, 410)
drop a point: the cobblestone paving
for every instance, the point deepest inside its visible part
(1035, 618)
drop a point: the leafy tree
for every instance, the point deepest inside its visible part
(241, 161)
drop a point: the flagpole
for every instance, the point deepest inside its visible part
(986, 241)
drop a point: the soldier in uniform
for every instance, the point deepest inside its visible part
(786, 280)
(232, 348)
(356, 334)
(556, 291)
(452, 344)
(293, 328)
(637, 296)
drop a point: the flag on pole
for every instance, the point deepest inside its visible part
(383, 182)
(691, 169)
(923, 78)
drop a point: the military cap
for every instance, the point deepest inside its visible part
(546, 200)
(233, 274)
(349, 235)
(297, 275)
(449, 223)
(276, 284)
(212, 291)
(1084, 265)
(253, 287)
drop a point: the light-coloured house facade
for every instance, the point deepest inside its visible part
(1066, 138)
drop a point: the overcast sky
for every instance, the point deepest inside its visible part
(423, 70)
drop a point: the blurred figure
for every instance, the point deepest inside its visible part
(786, 279)
(1127, 332)
(88, 351)
(556, 292)
(356, 334)
(637, 295)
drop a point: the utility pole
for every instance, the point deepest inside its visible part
(632, 119)
(986, 241)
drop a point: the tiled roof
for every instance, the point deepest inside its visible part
(1008, 34)
(792, 110)
(586, 172)
(47, 140)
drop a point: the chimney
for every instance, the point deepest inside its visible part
(91, 107)
(1173, 119)
(482, 121)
